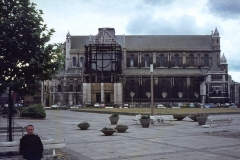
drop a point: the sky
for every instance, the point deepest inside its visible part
(148, 17)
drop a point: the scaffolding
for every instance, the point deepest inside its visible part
(103, 55)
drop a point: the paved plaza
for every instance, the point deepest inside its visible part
(183, 140)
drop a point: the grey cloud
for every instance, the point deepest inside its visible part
(226, 9)
(185, 25)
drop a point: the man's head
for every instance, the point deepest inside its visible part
(30, 129)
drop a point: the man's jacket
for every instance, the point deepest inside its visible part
(30, 144)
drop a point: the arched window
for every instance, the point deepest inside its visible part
(79, 87)
(81, 62)
(132, 85)
(162, 60)
(146, 60)
(206, 60)
(71, 88)
(180, 85)
(164, 85)
(59, 88)
(74, 61)
(176, 60)
(191, 60)
(132, 57)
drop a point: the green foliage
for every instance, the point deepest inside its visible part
(114, 115)
(121, 126)
(34, 111)
(145, 117)
(24, 56)
(84, 123)
(107, 129)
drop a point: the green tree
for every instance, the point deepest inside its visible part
(25, 59)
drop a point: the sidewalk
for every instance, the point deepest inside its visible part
(184, 140)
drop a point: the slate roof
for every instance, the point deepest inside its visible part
(155, 42)
(78, 42)
(214, 67)
(74, 71)
(169, 42)
(165, 71)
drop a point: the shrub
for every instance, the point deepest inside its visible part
(114, 115)
(107, 128)
(34, 111)
(121, 126)
(145, 117)
(84, 123)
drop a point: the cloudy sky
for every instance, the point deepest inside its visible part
(144, 17)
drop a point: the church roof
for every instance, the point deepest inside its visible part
(74, 71)
(154, 42)
(214, 67)
(168, 42)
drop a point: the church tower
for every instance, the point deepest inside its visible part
(216, 40)
(68, 47)
(223, 64)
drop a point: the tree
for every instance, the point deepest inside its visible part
(25, 60)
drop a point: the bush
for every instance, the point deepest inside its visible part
(145, 117)
(34, 111)
(114, 115)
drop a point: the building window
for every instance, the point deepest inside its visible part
(191, 60)
(206, 60)
(162, 60)
(81, 62)
(164, 85)
(132, 85)
(59, 88)
(71, 88)
(180, 85)
(74, 61)
(146, 60)
(132, 57)
(176, 60)
(79, 87)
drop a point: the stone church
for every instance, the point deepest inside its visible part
(115, 70)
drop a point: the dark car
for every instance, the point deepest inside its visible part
(209, 105)
(232, 105)
(17, 105)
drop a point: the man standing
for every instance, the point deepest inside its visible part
(31, 146)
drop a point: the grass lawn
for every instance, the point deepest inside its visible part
(158, 111)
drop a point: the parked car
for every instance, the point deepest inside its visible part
(225, 105)
(209, 105)
(102, 105)
(17, 105)
(54, 106)
(232, 105)
(96, 105)
(79, 106)
(191, 105)
(160, 106)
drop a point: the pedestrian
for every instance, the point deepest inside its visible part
(31, 146)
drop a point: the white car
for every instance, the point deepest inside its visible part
(96, 105)
(54, 106)
(160, 106)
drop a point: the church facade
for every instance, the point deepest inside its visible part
(115, 70)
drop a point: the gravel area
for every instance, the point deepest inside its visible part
(226, 134)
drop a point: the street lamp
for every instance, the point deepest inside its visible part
(132, 95)
(151, 70)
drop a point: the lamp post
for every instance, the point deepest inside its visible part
(151, 70)
(132, 95)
